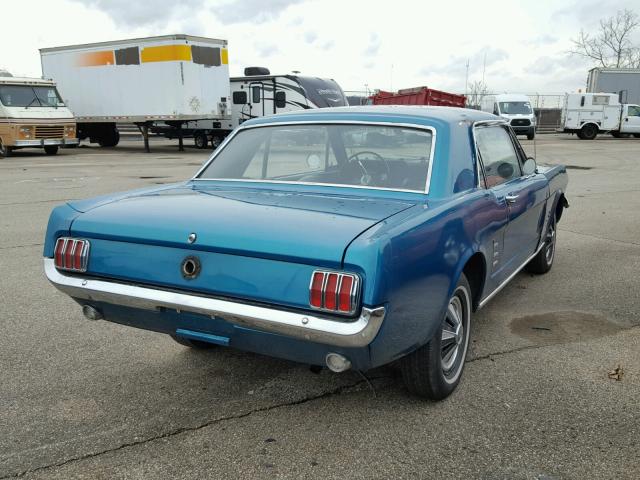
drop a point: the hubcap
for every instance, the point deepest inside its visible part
(453, 336)
(550, 243)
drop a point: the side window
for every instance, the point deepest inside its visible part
(497, 154)
(633, 111)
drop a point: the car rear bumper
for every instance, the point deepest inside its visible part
(350, 333)
(46, 142)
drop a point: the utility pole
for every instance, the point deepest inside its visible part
(484, 67)
(466, 78)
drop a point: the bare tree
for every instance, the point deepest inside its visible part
(612, 45)
(477, 90)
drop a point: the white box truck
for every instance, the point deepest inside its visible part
(167, 80)
(587, 114)
(514, 107)
(32, 115)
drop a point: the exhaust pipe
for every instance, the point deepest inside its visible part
(337, 363)
(91, 313)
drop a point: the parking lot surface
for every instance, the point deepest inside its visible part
(82, 399)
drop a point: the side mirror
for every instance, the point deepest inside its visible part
(529, 167)
(239, 98)
(281, 99)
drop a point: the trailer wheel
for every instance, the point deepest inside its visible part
(636, 135)
(201, 140)
(4, 150)
(110, 138)
(51, 149)
(215, 142)
(588, 131)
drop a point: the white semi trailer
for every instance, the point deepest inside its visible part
(587, 114)
(156, 81)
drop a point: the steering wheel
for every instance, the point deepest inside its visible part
(366, 175)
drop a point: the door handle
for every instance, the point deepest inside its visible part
(511, 198)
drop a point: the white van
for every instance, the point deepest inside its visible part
(32, 115)
(514, 107)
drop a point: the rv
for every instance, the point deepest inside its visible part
(587, 114)
(515, 108)
(32, 115)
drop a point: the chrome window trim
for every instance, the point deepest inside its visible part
(482, 124)
(323, 122)
(325, 329)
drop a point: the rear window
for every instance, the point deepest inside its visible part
(350, 155)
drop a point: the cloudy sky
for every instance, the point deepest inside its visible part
(387, 45)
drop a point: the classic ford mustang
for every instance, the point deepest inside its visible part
(347, 238)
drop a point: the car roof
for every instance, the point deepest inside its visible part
(423, 115)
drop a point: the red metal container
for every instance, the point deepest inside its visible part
(419, 96)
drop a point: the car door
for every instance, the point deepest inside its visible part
(631, 119)
(523, 195)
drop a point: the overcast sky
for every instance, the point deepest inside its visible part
(387, 45)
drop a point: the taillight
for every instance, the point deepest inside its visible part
(334, 292)
(71, 254)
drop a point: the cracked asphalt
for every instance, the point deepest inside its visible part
(95, 400)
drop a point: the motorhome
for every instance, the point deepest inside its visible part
(32, 115)
(587, 114)
(515, 108)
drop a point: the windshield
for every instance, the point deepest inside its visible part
(362, 155)
(29, 96)
(323, 92)
(515, 108)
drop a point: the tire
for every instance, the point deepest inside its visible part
(589, 131)
(433, 371)
(110, 138)
(531, 136)
(4, 150)
(620, 135)
(543, 261)
(636, 135)
(51, 149)
(215, 142)
(200, 139)
(196, 344)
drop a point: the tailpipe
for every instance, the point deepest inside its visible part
(337, 363)
(91, 313)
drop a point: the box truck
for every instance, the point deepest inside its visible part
(514, 107)
(32, 115)
(587, 114)
(166, 80)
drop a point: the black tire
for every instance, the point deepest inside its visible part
(215, 142)
(200, 139)
(51, 149)
(433, 371)
(531, 136)
(636, 135)
(543, 261)
(197, 344)
(589, 131)
(4, 150)
(109, 138)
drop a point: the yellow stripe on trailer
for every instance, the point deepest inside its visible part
(166, 53)
(224, 56)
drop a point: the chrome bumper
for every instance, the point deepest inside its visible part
(42, 143)
(322, 329)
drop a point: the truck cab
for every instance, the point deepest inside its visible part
(515, 108)
(32, 115)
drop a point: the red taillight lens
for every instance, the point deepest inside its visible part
(334, 292)
(71, 254)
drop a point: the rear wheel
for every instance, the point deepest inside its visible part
(636, 135)
(109, 138)
(589, 132)
(51, 149)
(543, 261)
(433, 371)
(4, 150)
(197, 344)
(215, 142)
(200, 139)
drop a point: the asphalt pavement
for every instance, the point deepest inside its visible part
(96, 400)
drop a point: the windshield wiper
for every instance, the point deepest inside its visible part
(31, 102)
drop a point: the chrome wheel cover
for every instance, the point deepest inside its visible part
(550, 243)
(455, 334)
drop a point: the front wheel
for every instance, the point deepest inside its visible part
(51, 149)
(543, 261)
(4, 150)
(433, 371)
(531, 135)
